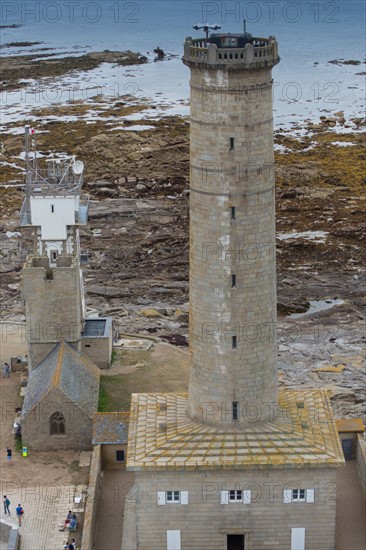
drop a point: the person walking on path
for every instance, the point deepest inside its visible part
(20, 512)
(9, 454)
(6, 370)
(6, 503)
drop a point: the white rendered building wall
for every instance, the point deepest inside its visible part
(53, 215)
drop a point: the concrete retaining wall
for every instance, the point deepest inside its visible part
(9, 535)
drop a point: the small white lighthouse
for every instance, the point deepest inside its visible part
(53, 205)
(53, 288)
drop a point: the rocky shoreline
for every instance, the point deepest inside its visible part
(137, 174)
(13, 69)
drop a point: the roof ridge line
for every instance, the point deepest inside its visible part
(57, 374)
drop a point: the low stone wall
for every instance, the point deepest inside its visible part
(91, 506)
(14, 539)
(361, 459)
(9, 535)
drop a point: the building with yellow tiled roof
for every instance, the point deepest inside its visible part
(235, 464)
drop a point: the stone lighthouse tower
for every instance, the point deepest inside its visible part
(232, 227)
(52, 287)
(234, 464)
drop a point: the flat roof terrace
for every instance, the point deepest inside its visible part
(99, 327)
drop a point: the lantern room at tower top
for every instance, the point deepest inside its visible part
(232, 50)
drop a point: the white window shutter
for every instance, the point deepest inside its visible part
(173, 540)
(298, 538)
(287, 496)
(247, 497)
(161, 498)
(224, 497)
(310, 495)
(184, 497)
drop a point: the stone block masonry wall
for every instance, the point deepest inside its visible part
(53, 308)
(109, 457)
(98, 350)
(232, 259)
(91, 508)
(266, 523)
(36, 425)
(361, 459)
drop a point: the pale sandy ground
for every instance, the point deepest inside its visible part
(43, 482)
(12, 341)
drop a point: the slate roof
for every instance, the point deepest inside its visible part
(162, 436)
(110, 428)
(70, 372)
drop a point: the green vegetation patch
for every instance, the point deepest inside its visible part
(158, 370)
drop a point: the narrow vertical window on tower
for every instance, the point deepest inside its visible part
(52, 208)
(235, 411)
(233, 213)
(234, 342)
(233, 281)
(231, 144)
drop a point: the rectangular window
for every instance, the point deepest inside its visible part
(233, 213)
(235, 496)
(234, 342)
(235, 542)
(298, 495)
(120, 456)
(53, 256)
(173, 496)
(52, 208)
(231, 144)
(235, 410)
(233, 281)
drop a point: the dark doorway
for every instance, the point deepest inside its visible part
(347, 446)
(235, 542)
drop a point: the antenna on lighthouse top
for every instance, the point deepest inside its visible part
(206, 27)
(245, 26)
(26, 131)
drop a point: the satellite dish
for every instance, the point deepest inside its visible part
(78, 167)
